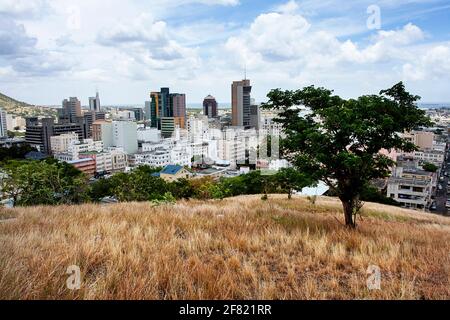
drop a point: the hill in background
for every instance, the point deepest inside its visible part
(238, 248)
(23, 109)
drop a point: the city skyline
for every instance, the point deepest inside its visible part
(56, 49)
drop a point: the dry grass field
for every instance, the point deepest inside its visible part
(239, 248)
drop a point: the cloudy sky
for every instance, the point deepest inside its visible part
(52, 49)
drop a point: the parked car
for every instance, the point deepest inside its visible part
(433, 207)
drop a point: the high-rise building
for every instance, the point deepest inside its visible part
(148, 110)
(119, 134)
(3, 124)
(168, 109)
(39, 132)
(255, 116)
(138, 113)
(94, 103)
(210, 107)
(71, 110)
(178, 106)
(241, 103)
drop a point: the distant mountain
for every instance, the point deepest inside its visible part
(23, 109)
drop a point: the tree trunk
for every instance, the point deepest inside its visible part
(349, 207)
(290, 194)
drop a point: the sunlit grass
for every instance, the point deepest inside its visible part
(239, 248)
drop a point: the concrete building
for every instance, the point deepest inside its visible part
(159, 155)
(71, 110)
(198, 128)
(119, 134)
(422, 139)
(103, 160)
(168, 110)
(156, 158)
(13, 122)
(149, 135)
(3, 124)
(119, 159)
(76, 148)
(125, 136)
(94, 103)
(431, 156)
(268, 125)
(148, 110)
(241, 103)
(210, 107)
(87, 166)
(411, 187)
(60, 144)
(39, 132)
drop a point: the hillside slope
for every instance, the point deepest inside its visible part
(239, 248)
(12, 106)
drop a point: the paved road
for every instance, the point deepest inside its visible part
(441, 195)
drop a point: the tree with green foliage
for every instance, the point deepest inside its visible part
(100, 189)
(338, 141)
(429, 167)
(31, 183)
(289, 179)
(15, 152)
(182, 189)
(139, 185)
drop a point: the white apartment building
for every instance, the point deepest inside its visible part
(60, 144)
(123, 115)
(120, 134)
(3, 124)
(198, 128)
(432, 156)
(103, 160)
(87, 145)
(119, 159)
(13, 121)
(155, 158)
(268, 125)
(411, 187)
(149, 135)
(159, 155)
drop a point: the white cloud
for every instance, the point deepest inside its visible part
(149, 44)
(22, 8)
(433, 63)
(289, 7)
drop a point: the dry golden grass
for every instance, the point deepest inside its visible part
(240, 248)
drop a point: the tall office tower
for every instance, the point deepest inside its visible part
(148, 110)
(39, 132)
(241, 102)
(168, 109)
(138, 113)
(94, 103)
(3, 124)
(210, 107)
(178, 106)
(71, 110)
(255, 116)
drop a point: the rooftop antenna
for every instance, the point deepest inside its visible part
(245, 71)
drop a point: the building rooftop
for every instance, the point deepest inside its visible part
(171, 169)
(35, 155)
(80, 161)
